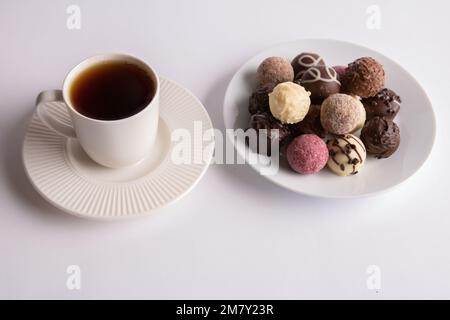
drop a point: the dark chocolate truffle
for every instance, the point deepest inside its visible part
(385, 103)
(259, 100)
(364, 77)
(321, 81)
(275, 130)
(304, 61)
(381, 137)
(310, 124)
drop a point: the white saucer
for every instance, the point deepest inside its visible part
(416, 121)
(64, 175)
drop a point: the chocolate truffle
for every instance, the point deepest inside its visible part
(347, 155)
(304, 61)
(307, 154)
(310, 124)
(385, 103)
(274, 131)
(259, 100)
(341, 114)
(364, 77)
(274, 69)
(340, 70)
(289, 102)
(321, 81)
(381, 137)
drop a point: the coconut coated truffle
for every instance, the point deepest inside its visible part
(341, 114)
(289, 102)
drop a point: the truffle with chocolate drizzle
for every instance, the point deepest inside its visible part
(304, 61)
(347, 154)
(321, 81)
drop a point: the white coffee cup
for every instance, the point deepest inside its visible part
(111, 143)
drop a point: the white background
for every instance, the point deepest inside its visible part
(235, 235)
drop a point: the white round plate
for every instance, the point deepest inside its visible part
(64, 175)
(415, 119)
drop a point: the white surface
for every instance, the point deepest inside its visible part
(68, 178)
(236, 235)
(375, 176)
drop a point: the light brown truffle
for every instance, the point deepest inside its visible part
(341, 114)
(274, 70)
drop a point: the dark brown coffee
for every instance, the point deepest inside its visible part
(112, 90)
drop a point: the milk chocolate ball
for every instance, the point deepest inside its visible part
(304, 61)
(274, 70)
(321, 81)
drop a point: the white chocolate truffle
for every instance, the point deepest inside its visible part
(289, 102)
(347, 155)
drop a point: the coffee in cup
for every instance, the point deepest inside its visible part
(113, 102)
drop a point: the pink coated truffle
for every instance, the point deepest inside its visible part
(307, 154)
(340, 70)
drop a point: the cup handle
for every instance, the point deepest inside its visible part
(51, 122)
